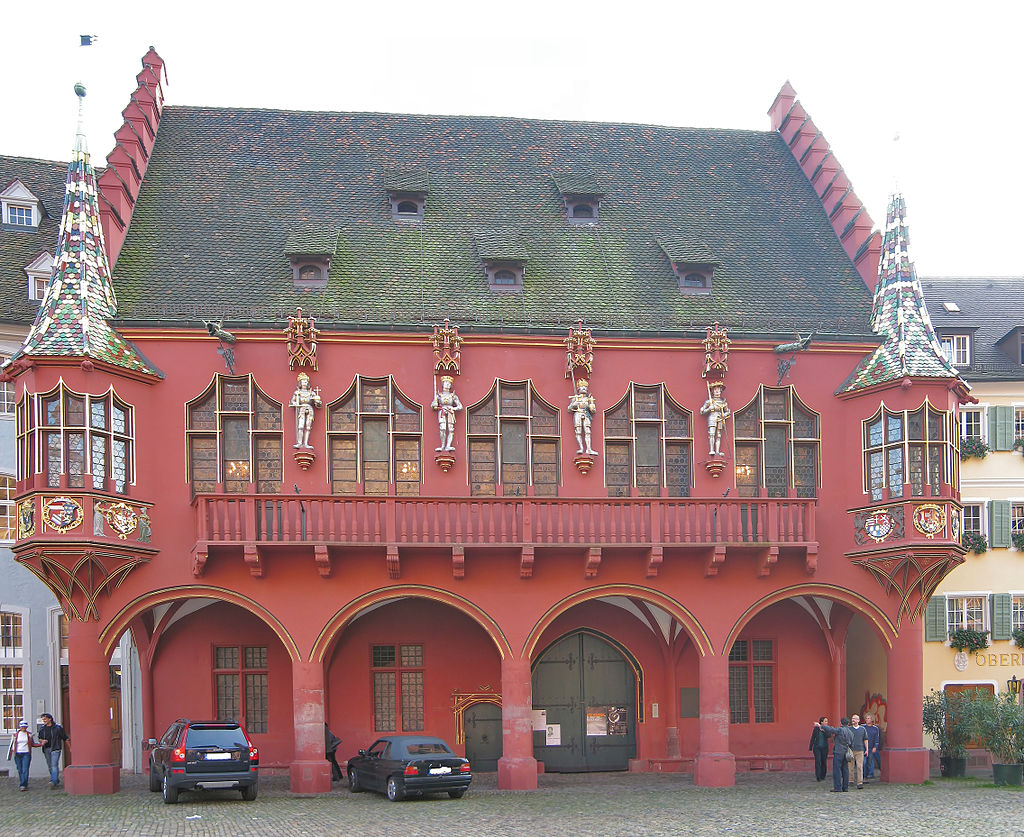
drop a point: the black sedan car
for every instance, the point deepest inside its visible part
(399, 765)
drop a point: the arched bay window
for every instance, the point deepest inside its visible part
(648, 441)
(90, 439)
(374, 436)
(778, 445)
(910, 448)
(513, 442)
(234, 437)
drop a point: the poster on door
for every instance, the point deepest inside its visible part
(597, 720)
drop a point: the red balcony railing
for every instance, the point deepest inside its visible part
(234, 518)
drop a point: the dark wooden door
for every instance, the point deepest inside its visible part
(588, 691)
(483, 736)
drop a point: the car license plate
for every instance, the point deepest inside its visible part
(220, 756)
(438, 770)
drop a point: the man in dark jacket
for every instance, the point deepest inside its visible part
(842, 744)
(331, 744)
(819, 746)
(52, 737)
(874, 758)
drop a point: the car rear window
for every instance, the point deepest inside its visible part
(226, 738)
(427, 748)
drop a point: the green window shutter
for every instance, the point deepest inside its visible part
(1000, 428)
(1002, 617)
(999, 523)
(935, 620)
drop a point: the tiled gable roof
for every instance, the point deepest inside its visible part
(228, 186)
(19, 248)
(991, 309)
(911, 349)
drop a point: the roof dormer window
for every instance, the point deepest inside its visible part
(309, 250)
(583, 212)
(38, 273)
(694, 280)
(310, 273)
(692, 262)
(505, 277)
(581, 194)
(407, 208)
(19, 208)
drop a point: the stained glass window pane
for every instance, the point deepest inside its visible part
(412, 701)
(53, 459)
(895, 471)
(119, 419)
(915, 425)
(256, 656)
(616, 421)
(677, 422)
(764, 709)
(776, 404)
(915, 468)
(407, 466)
(384, 708)
(776, 456)
(98, 461)
(74, 411)
(343, 416)
(894, 428)
(647, 402)
(98, 415)
(407, 416)
(875, 434)
(382, 656)
(483, 471)
(545, 467)
(618, 468)
(268, 413)
(513, 399)
(677, 468)
(373, 396)
(739, 700)
(545, 419)
(748, 470)
(203, 463)
(256, 702)
(234, 397)
(228, 699)
(648, 459)
(202, 415)
(344, 475)
(76, 460)
(482, 418)
(268, 465)
(745, 422)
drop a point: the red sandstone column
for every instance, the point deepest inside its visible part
(715, 766)
(310, 771)
(517, 768)
(149, 729)
(904, 759)
(89, 698)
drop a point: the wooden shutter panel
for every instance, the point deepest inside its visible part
(935, 620)
(1000, 428)
(999, 523)
(1002, 616)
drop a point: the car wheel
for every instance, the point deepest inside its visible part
(170, 793)
(395, 790)
(154, 777)
(249, 793)
(353, 782)
(457, 794)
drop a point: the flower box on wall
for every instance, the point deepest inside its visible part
(967, 639)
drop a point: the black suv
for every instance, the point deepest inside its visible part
(203, 755)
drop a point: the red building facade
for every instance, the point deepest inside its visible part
(259, 500)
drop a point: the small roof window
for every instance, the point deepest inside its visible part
(19, 208)
(951, 307)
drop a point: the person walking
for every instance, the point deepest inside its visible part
(842, 744)
(22, 743)
(819, 747)
(52, 738)
(860, 749)
(874, 758)
(331, 744)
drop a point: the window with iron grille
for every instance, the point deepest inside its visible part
(242, 685)
(374, 438)
(12, 696)
(777, 445)
(648, 444)
(234, 436)
(906, 450)
(752, 681)
(88, 438)
(397, 676)
(513, 442)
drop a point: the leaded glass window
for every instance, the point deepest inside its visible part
(916, 454)
(752, 681)
(242, 685)
(513, 442)
(778, 445)
(397, 676)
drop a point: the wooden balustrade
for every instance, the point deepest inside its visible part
(264, 518)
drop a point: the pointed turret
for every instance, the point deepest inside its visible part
(79, 299)
(898, 313)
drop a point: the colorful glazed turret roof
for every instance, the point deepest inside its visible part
(72, 319)
(898, 313)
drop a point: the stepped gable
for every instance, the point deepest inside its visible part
(911, 348)
(72, 317)
(20, 247)
(226, 189)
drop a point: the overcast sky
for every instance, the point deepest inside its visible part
(944, 77)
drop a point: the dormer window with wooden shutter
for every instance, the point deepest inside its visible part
(309, 251)
(693, 264)
(504, 259)
(407, 193)
(581, 195)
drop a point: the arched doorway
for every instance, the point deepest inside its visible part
(587, 689)
(482, 723)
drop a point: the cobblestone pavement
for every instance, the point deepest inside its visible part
(564, 806)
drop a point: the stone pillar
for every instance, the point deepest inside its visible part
(149, 729)
(517, 768)
(904, 758)
(310, 772)
(92, 770)
(715, 765)
(837, 675)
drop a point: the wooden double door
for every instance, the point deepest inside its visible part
(587, 691)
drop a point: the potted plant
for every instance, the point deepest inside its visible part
(968, 639)
(1018, 444)
(973, 446)
(975, 542)
(996, 722)
(1018, 541)
(946, 724)
(1018, 637)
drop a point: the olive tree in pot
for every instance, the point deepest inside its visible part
(944, 720)
(996, 722)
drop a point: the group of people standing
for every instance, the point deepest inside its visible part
(851, 743)
(52, 739)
